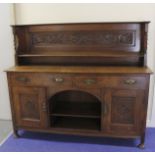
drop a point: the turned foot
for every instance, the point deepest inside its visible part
(15, 134)
(142, 141)
(141, 146)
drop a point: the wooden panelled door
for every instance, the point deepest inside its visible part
(124, 111)
(30, 106)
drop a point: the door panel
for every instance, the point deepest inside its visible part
(124, 111)
(28, 102)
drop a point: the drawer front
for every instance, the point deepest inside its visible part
(81, 81)
(137, 82)
(59, 80)
(130, 82)
(87, 81)
(40, 79)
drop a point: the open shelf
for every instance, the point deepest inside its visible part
(75, 123)
(79, 53)
(77, 110)
(72, 109)
(81, 58)
(75, 104)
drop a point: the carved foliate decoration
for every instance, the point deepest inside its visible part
(93, 38)
(122, 110)
(29, 106)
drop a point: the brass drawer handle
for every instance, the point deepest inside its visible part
(22, 79)
(90, 81)
(59, 80)
(130, 82)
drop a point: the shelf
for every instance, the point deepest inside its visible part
(76, 113)
(82, 54)
(81, 61)
(85, 110)
(76, 123)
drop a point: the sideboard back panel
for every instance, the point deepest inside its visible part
(74, 42)
(82, 37)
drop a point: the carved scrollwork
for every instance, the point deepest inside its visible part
(100, 38)
(29, 107)
(122, 110)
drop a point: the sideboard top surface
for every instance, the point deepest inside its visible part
(81, 69)
(106, 22)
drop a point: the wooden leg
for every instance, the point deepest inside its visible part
(142, 141)
(15, 133)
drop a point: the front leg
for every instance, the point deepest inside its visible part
(142, 142)
(15, 133)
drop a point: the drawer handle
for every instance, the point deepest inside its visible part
(59, 80)
(22, 79)
(130, 82)
(90, 81)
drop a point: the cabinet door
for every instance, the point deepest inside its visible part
(123, 111)
(29, 105)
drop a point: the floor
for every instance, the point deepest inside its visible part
(5, 130)
(44, 142)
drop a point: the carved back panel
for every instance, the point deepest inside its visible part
(62, 44)
(79, 37)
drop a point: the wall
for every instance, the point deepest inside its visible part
(6, 56)
(63, 13)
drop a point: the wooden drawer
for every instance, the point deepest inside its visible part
(87, 81)
(40, 79)
(60, 80)
(128, 82)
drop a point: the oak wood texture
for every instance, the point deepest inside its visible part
(98, 44)
(87, 79)
(81, 69)
(124, 105)
(133, 81)
(29, 106)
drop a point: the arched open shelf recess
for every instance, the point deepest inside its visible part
(74, 109)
